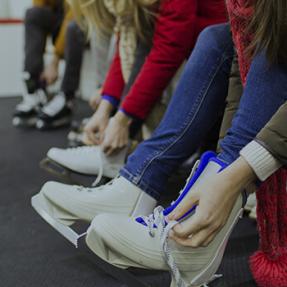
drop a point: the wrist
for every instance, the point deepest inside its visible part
(239, 173)
(123, 118)
(105, 107)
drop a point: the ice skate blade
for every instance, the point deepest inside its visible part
(64, 230)
(56, 169)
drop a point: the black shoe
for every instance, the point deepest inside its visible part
(56, 113)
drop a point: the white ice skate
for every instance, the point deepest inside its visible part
(143, 242)
(68, 204)
(85, 160)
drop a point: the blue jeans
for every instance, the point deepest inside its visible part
(195, 107)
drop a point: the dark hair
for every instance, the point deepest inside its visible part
(269, 27)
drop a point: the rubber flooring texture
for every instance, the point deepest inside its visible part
(32, 254)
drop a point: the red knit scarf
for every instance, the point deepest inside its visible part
(269, 264)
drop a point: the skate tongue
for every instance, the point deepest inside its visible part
(208, 161)
(205, 159)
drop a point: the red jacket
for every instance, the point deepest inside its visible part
(177, 26)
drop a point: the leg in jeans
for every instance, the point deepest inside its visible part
(265, 92)
(74, 50)
(39, 22)
(191, 114)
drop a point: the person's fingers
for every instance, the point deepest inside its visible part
(122, 144)
(181, 241)
(109, 150)
(190, 226)
(86, 139)
(106, 145)
(95, 138)
(91, 137)
(210, 238)
(198, 239)
(201, 239)
(185, 205)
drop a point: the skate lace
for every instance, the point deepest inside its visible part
(100, 162)
(157, 220)
(98, 188)
(55, 105)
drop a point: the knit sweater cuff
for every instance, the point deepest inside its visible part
(260, 159)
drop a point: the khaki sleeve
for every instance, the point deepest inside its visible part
(274, 135)
(60, 41)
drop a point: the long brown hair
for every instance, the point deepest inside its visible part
(269, 27)
(97, 16)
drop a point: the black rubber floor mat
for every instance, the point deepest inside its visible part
(32, 254)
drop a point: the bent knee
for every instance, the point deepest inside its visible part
(216, 35)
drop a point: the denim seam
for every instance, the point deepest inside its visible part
(223, 59)
(164, 148)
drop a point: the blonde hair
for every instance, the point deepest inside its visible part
(94, 14)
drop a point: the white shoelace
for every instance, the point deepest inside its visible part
(157, 220)
(101, 168)
(99, 188)
(100, 162)
(55, 105)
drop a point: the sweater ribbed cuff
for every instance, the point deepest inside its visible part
(260, 159)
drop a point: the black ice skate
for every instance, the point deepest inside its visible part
(26, 112)
(56, 113)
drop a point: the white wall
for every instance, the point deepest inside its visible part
(18, 7)
(11, 48)
(13, 8)
(12, 55)
(11, 59)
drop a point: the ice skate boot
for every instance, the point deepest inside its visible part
(143, 242)
(84, 160)
(26, 112)
(56, 113)
(68, 203)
